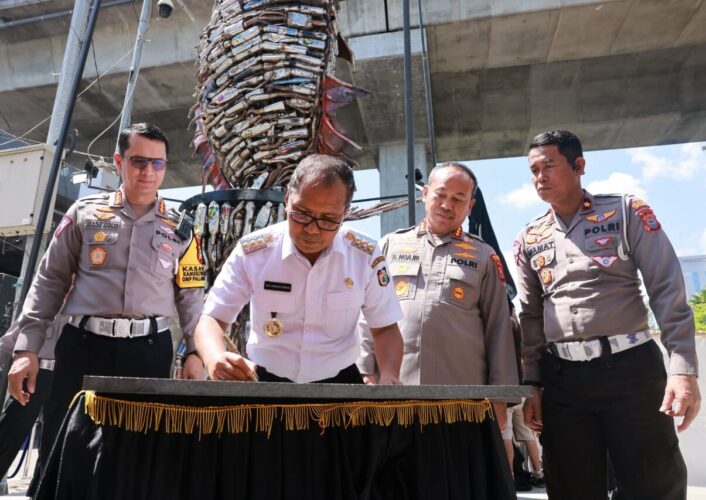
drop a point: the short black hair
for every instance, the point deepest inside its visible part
(466, 169)
(566, 142)
(323, 169)
(146, 130)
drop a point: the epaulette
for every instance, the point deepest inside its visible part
(256, 241)
(93, 198)
(403, 230)
(474, 236)
(361, 242)
(538, 219)
(608, 195)
(171, 217)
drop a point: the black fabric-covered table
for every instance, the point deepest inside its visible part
(180, 446)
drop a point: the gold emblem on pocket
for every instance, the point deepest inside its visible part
(98, 256)
(402, 288)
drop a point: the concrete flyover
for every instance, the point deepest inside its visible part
(620, 73)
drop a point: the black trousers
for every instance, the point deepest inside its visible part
(609, 406)
(16, 420)
(349, 375)
(79, 352)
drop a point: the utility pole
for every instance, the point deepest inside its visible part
(134, 66)
(76, 36)
(409, 113)
(75, 55)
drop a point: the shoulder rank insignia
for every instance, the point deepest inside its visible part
(602, 217)
(116, 199)
(254, 243)
(361, 242)
(587, 204)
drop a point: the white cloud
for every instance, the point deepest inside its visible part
(689, 162)
(618, 182)
(702, 241)
(522, 197)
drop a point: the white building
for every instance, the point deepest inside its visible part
(694, 270)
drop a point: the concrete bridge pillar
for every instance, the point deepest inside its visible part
(392, 163)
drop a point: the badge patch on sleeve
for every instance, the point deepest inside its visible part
(377, 260)
(516, 250)
(649, 221)
(499, 267)
(190, 273)
(383, 277)
(605, 261)
(66, 221)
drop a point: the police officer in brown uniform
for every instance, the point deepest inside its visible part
(600, 384)
(131, 271)
(451, 286)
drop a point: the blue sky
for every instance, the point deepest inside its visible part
(672, 178)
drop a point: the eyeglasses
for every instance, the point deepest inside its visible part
(141, 162)
(306, 219)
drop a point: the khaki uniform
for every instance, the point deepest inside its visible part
(579, 283)
(456, 325)
(573, 283)
(124, 268)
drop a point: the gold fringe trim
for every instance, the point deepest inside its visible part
(144, 416)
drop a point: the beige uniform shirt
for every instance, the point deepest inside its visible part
(125, 267)
(456, 325)
(574, 284)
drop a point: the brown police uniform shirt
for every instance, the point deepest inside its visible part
(125, 267)
(456, 325)
(574, 284)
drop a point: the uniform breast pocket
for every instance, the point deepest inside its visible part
(342, 311)
(164, 256)
(404, 277)
(543, 265)
(606, 243)
(602, 252)
(100, 245)
(461, 287)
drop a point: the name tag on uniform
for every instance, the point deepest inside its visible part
(278, 287)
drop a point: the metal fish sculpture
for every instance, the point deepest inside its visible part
(266, 94)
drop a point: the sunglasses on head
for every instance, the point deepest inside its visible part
(141, 162)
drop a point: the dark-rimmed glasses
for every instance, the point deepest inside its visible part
(306, 219)
(140, 162)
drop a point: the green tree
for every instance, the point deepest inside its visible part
(698, 298)
(700, 317)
